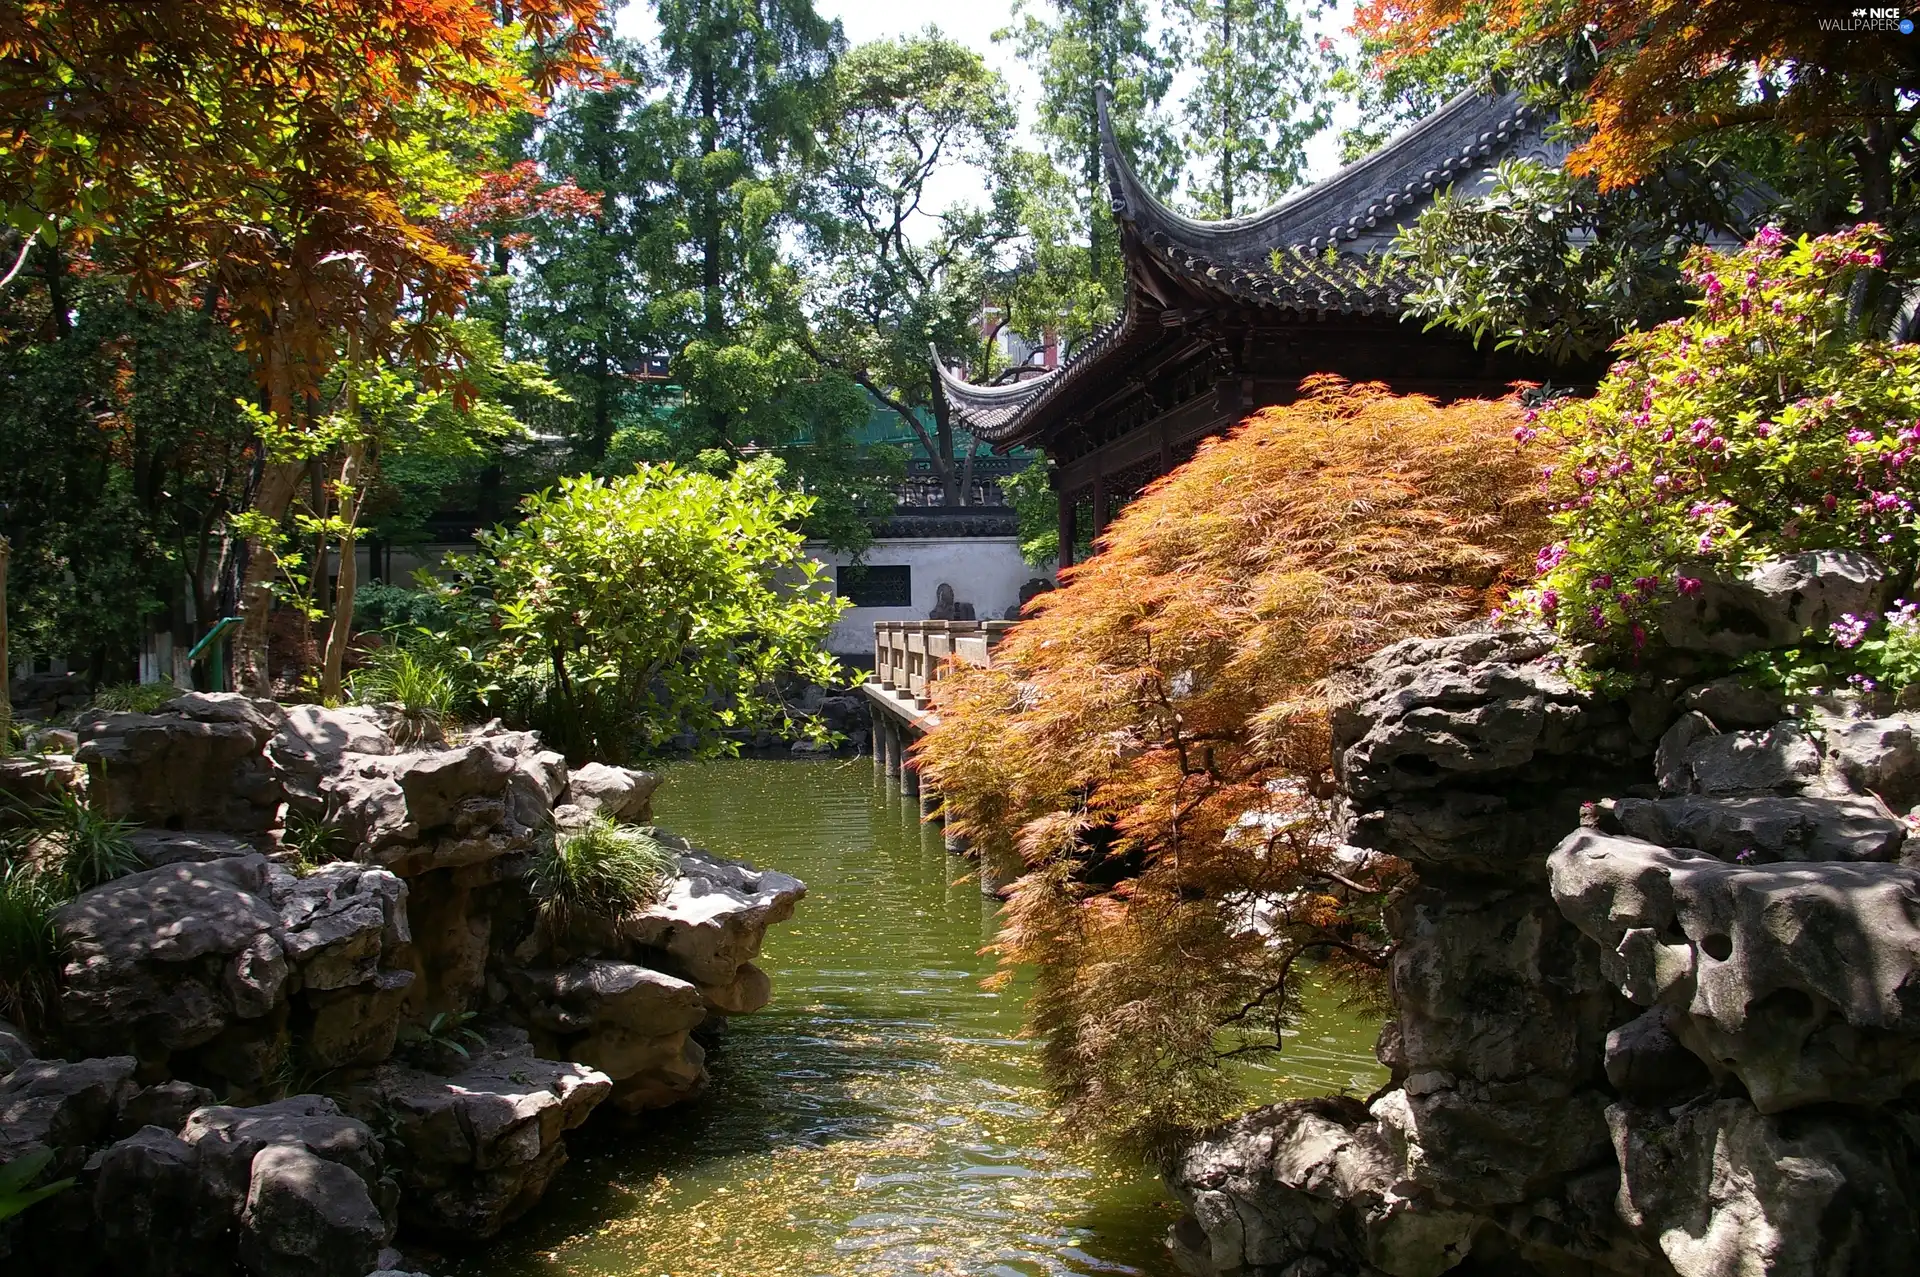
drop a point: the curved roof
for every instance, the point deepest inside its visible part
(1315, 253)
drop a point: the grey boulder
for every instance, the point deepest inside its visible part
(1762, 829)
(197, 765)
(1773, 603)
(618, 793)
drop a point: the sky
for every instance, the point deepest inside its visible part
(972, 23)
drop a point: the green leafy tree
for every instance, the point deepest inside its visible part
(1545, 262)
(619, 615)
(1393, 93)
(890, 275)
(1077, 46)
(1262, 92)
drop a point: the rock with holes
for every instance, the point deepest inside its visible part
(198, 764)
(426, 809)
(166, 959)
(1719, 1190)
(630, 1022)
(1766, 828)
(618, 793)
(1475, 752)
(1773, 603)
(1879, 756)
(1647, 1062)
(708, 925)
(1796, 978)
(476, 1150)
(1307, 1186)
(312, 740)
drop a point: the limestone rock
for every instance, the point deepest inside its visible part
(425, 810)
(1878, 756)
(714, 916)
(34, 780)
(197, 765)
(312, 740)
(158, 847)
(618, 793)
(1779, 759)
(476, 1150)
(67, 1106)
(1474, 752)
(172, 955)
(227, 1140)
(308, 1217)
(1647, 1063)
(159, 1215)
(1794, 977)
(338, 920)
(1307, 1186)
(627, 1021)
(1764, 829)
(1732, 703)
(164, 1104)
(1724, 1191)
(1773, 603)
(15, 1048)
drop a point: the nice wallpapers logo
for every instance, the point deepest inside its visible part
(1887, 19)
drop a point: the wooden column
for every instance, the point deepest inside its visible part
(1068, 532)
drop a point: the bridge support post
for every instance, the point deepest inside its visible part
(909, 771)
(929, 803)
(896, 747)
(877, 738)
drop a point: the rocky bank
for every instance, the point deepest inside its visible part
(1657, 990)
(256, 1064)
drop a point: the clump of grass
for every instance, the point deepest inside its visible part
(601, 871)
(134, 698)
(313, 841)
(424, 688)
(77, 846)
(29, 950)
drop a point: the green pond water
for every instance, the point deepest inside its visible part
(883, 1116)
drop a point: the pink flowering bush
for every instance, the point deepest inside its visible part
(1760, 424)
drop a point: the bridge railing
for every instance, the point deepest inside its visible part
(908, 654)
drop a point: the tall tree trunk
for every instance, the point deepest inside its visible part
(279, 480)
(1227, 130)
(341, 631)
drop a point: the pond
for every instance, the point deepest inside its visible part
(883, 1116)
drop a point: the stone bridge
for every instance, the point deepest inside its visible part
(907, 657)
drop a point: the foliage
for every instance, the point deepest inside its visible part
(448, 1032)
(313, 841)
(73, 847)
(1075, 46)
(891, 274)
(1261, 93)
(425, 687)
(17, 1176)
(1394, 87)
(621, 614)
(1762, 423)
(29, 949)
(395, 610)
(1666, 77)
(600, 871)
(1153, 742)
(134, 698)
(1546, 263)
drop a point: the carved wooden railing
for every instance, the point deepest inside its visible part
(908, 654)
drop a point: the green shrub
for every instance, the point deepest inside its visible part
(395, 609)
(601, 871)
(313, 840)
(1761, 424)
(15, 1176)
(425, 688)
(29, 952)
(88, 848)
(622, 616)
(134, 698)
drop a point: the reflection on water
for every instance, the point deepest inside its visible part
(882, 1116)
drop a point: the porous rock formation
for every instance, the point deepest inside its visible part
(409, 974)
(1654, 992)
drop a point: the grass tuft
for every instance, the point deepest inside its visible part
(424, 689)
(601, 871)
(134, 698)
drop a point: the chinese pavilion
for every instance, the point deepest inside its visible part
(1222, 318)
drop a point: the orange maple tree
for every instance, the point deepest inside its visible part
(1673, 70)
(1150, 747)
(259, 155)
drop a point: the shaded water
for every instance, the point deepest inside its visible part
(883, 1116)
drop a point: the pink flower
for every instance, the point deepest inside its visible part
(1666, 436)
(1597, 618)
(1550, 556)
(1646, 584)
(1549, 601)
(1522, 434)
(1687, 585)
(1764, 430)
(1848, 630)
(1768, 237)
(1588, 476)
(1859, 436)
(1716, 444)
(1602, 582)
(1639, 636)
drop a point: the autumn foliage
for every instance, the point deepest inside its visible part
(1672, 71)
(1152, 744)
